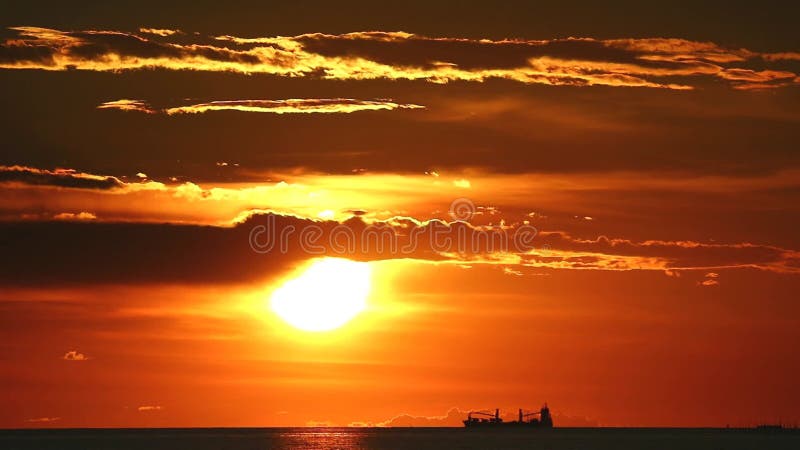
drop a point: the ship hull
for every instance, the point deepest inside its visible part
(503, 425)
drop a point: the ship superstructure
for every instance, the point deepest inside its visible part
(534, 419)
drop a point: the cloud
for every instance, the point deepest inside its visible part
(319, 423)
(128, 105)
(653, 62)
(711, 279)
(74, 355)
(68, 178)
(163, 32)
(149, 408)
(453, 418)
(359, 424)
(43, 420)
(75, 216)
(287, 106)
(293, 106)
(624, 254)
(384, 196)
(264, 242)
(28, 179)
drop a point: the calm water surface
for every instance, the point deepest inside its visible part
(397, 438)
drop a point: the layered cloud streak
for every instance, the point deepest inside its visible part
(287, 106)
(655, 63)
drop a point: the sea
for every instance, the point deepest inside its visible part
(399, 439)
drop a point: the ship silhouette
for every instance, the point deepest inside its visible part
(528, 420)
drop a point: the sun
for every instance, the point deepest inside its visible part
(327, 295)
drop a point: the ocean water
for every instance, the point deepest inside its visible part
(398, 438)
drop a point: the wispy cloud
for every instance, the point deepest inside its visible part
(149, 408)
(294, 106)
(287, 106)
(159, 31)
(128, 105)
(68, 178)
(83, 215)
(43, 419)
(710, 279)
(655, 62)
(74, 355)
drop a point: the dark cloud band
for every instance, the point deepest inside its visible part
(265, 243)
(67, 178)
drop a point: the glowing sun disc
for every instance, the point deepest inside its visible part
(327, 295)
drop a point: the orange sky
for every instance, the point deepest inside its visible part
(651, 163)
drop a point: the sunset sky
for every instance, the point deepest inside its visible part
(150, 153)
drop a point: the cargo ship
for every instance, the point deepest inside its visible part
(485, 419)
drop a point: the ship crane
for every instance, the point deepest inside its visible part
(523, 416)
(494, 417)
